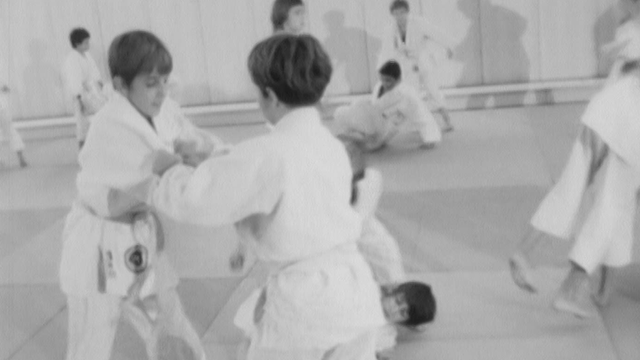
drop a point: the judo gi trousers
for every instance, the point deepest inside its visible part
(605, 237)
(93, 321)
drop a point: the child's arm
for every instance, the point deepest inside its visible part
(369, 191)
(434, 33)
(224, 189)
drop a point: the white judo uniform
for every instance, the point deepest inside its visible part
(625, 47)
(605, 156)
(416, 55)
(80, 75)
(290, 189)
(117, 157)
(379, 248)
(8, 132)
(376, 244)
(377, 121)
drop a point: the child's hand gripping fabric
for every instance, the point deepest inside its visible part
(194, 152)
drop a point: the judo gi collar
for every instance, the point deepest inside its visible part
(298, 117)
(131, 113)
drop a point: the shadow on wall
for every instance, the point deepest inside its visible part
(604, 32)
(503, 60)
(340, 45)
(43, 91)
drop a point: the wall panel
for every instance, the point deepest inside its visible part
(509, 30)
(34, 63)
(339, 26)
(567, 47)
(226, 48)
(179, 25)
(4, 44)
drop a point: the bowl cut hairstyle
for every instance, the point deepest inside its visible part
(77, 36)
(138, 52)
(391, 68)
(399, 4)
(295, 67)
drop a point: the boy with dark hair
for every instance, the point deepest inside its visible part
(288, 16)
(83, 83)
(78, 36)
(405, 42)
(409, 304)
(289, 190)
(112, 263)
(394, 107)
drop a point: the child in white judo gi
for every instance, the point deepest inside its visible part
(83, 82)
(605, 158)
(290, 189)
(7, 131)
(112, 263)
(408, 41)
(407, 304)
(288, 16)
(394, 107)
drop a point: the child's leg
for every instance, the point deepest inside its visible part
(573, 293)
(16, 144)
(428, 79)
(92, 326)
(174, 321)
(144, 324)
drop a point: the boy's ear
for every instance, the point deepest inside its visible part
(119, 84)
(272, 97)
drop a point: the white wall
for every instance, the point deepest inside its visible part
(498, 41)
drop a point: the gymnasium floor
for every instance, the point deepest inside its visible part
(457, 212)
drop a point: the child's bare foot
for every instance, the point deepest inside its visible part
(563, 303)
(573, 295)
(520, 272)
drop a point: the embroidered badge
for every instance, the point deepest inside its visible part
(137, 258)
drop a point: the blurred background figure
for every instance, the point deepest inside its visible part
(8, 132)
(82, 82)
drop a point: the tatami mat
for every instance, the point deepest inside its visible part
(457, 211)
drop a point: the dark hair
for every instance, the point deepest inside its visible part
(280, 12)
(420, 302)
(399, 4)
(77, 36)
(391, 68)
(138, 52)
(295, 67)
(356, 151)
(630, 66)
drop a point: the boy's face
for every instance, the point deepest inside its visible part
(84, 46)
(388, 82)
(401, 15)
(147, 92)
(295, 20)
(395, 307)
